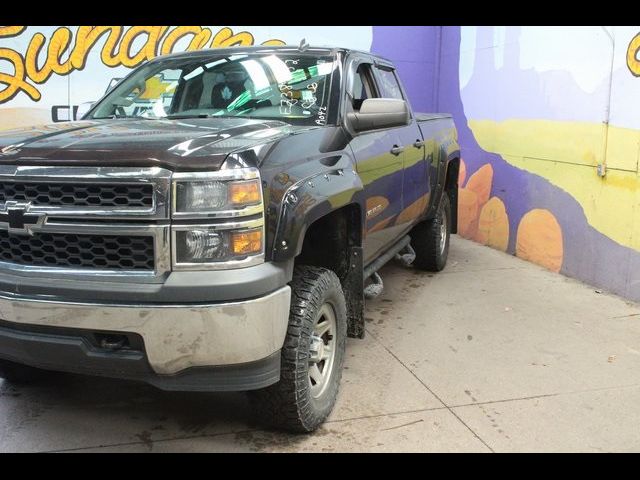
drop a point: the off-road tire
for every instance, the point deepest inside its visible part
(18, 374)
(289, 404)
(427, 239)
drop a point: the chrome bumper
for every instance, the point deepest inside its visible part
(176, 337)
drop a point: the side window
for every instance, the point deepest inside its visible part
(389, 86)
(363, 86)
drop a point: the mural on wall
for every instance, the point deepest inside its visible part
(43, 67)
(547, 118)
(550, 136)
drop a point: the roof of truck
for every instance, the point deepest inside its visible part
(266, 49)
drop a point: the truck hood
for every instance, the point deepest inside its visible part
(190, 144)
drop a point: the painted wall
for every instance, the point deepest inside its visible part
(69, 65)
(540, 111)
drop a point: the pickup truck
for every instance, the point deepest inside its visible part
(213, 222)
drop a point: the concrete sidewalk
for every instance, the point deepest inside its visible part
(492, 354)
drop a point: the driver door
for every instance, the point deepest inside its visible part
(379, 165)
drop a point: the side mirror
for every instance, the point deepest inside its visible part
(378, 113)
(62, 113)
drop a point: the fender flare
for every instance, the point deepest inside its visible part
(309, 200)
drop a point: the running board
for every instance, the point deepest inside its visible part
(375, 288)
(383, 259)
(406, 258)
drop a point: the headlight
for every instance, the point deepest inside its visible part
(221, 238)
(227, 195)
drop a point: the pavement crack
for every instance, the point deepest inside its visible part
(430, 391)
(403, 425)
(625, 316)
(155, 442)
(545, 395)
(445, 272)
(404, 412)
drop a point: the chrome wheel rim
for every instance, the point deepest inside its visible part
(443, 232)
(322, 350)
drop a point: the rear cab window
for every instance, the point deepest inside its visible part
(388, 83)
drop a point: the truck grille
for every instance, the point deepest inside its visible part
(104, 252)
(86, 223)
(78, 195)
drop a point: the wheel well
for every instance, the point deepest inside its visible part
(451, 189)
(328, 239)
(335, 242)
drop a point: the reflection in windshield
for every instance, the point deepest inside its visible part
(288, 87)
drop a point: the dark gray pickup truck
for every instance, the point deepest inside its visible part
(214, 222)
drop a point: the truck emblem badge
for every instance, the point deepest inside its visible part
(18, 220)
(375, 210)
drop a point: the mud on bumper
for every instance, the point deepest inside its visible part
(218, 347)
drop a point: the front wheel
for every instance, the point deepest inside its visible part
(312, 354)
(430, 239)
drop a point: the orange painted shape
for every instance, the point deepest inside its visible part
(493, 225)
(413, 211)
(462, 173)
(480, 182)
(539, 239)
(382, 224)
(468, 209)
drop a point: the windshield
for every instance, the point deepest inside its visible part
(292, 87)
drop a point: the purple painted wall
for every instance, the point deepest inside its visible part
(414, 50)
(527, 214)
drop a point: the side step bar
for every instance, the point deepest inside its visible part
(382, 260)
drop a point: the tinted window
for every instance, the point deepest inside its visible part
(362, 89)
(290, 87)
(388, 83)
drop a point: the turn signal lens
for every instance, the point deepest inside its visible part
(244, 193)
(247, 242)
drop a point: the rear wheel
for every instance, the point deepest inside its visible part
(312, 355)
(430, 239)
(19, 374)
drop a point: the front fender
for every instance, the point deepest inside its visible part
(308, 200)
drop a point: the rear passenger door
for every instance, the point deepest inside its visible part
(378, 162)
(415, 182)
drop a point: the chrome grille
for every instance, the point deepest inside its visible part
(94, 223)
(77, 195)
(110, 252)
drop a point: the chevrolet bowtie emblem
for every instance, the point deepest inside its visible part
(18, 219)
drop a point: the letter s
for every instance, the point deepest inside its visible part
(16, 82)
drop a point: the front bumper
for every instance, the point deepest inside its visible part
(177, 340)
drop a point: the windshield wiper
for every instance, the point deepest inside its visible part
(180, 117)
(120, 117)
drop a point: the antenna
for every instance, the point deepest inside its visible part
(303, 45)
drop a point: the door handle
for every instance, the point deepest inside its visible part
(418, 144)
(396, 150)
